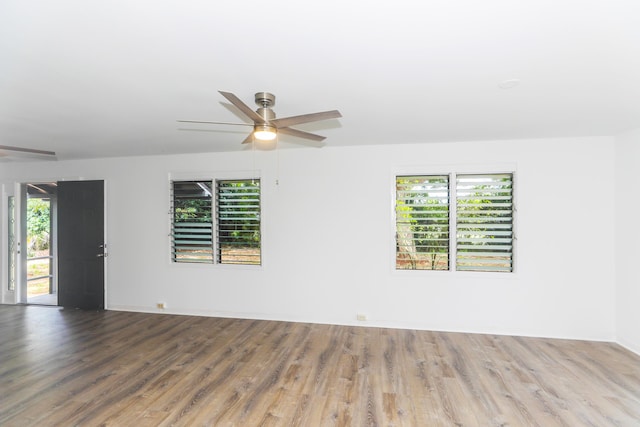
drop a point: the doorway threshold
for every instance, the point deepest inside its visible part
(44, 299)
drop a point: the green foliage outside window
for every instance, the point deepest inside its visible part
(238, 207)
(483, 222)
(38, 225)
(422, 223)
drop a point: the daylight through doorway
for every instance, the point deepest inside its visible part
(41, 283)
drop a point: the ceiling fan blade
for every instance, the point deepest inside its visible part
(27, 150)
(242, 107)
(248, 139)
(301, 134)
(214, 123)
(305, 118)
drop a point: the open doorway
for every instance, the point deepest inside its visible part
(61, 249)
(41, 243)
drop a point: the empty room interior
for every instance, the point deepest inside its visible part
(417, 213)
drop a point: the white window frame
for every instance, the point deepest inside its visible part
(452, 170)
(214, 176)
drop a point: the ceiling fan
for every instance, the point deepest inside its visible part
(265, 125)
(8, 150)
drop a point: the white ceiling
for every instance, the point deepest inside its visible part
(102, 78)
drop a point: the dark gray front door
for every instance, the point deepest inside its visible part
(81, 244)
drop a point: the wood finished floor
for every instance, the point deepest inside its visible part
(62, 367)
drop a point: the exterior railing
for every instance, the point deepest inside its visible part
(45, 276)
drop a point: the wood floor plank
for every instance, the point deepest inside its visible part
(69, 367)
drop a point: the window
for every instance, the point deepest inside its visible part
(238, 231)
(192, 225)
(484, 212)
(216, 221)
(482, 217)
(422, 222)
(11, 241)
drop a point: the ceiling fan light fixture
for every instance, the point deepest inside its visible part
(264, 132)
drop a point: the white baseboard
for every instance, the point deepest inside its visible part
(634, 347)
(354, 322)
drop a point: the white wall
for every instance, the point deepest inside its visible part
(328, 239)
(627, 239)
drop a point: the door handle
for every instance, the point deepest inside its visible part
(104, 253)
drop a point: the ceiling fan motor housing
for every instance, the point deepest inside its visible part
(265, 99)
(266, 113)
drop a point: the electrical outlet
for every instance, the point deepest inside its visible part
(161, 305)
(361, 317)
